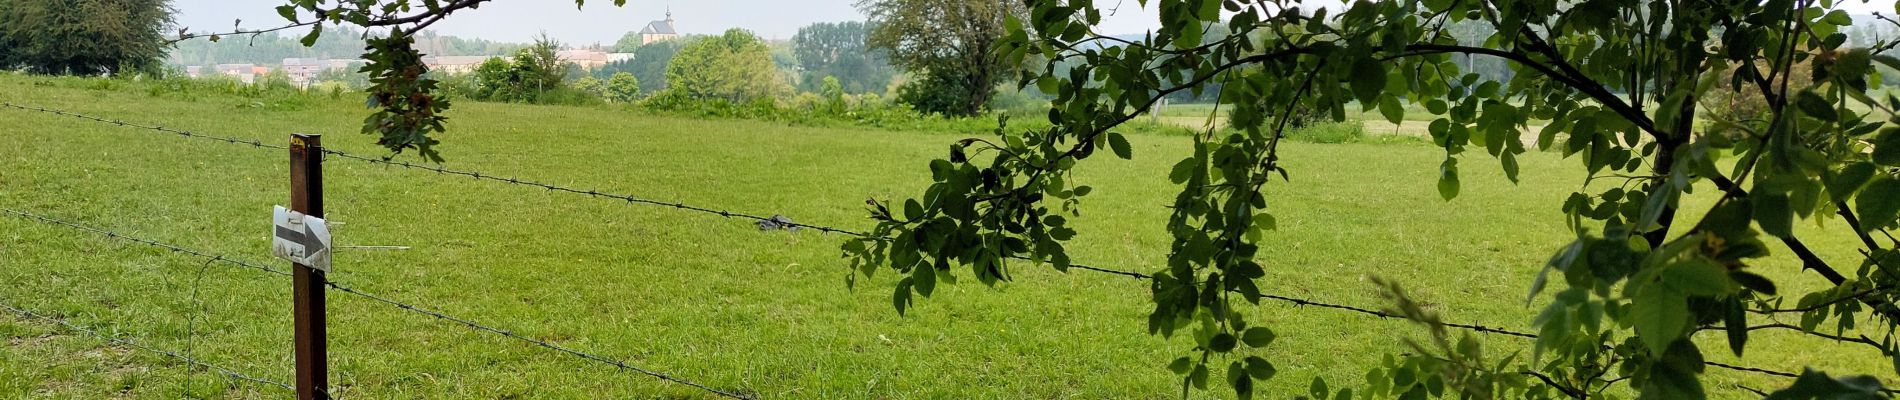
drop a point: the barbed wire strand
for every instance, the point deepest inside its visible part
(776, 221)
(781, 222)
(622, 365)
(128, 343)
(181, 133)
(1299, 302)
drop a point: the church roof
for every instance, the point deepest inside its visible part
(663, 27)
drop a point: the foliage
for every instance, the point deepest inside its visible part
(1735, 104)
(348, 78)
(534, 75)
(648, 64)
(335, 42)
(952, 45)
(622, 87)
(83, 37)
(627, 43)
(734, 67)
(591, 85)
(409, 108)
(837, 49)
(1619, 83)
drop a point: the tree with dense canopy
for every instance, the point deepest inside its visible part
(1619, 82)
(648, 64)
(734, 67)
(623, 87)
(837, 49)
(949, 48)
(83, 37)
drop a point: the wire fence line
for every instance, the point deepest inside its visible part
(618, 364)
(773, 221)
(68, 325)
(180, 133)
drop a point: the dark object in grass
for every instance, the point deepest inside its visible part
(778, 222)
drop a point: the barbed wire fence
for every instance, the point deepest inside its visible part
(777, 221)
(189, 360)
(425, 311)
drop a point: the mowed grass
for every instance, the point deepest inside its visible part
(704, 298)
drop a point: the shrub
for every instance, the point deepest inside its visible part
(1328, 132)
(735, 67)
(623, 87)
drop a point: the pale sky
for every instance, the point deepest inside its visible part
(601, 22)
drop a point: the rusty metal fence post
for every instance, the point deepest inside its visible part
(306, 196)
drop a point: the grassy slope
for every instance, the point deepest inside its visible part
(704, 298)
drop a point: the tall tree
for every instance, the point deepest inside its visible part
(837, 49)
(950, 44)
(734, 66)
(627, 43)
(648, 64)
(83, 37)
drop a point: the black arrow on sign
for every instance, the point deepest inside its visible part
(308, 238)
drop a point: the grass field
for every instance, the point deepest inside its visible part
(703, 298)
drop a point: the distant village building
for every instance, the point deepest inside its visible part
(246, 73)
(303, 70)
(454, 64)
(618, 57)
(586, 59)
(659, 30)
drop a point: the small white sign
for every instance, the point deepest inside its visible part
(300, 238)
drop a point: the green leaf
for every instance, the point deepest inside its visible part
(924, 278)
(901, 297)
(1736, 322)
(1699, 277)
(1878, 203)
(913, 210)
(1318, 390)
(1181, 366)
(288, 12)
(1448, 179)
(310, 39)
(1221, 343)
(1838, 18)
(1183, 170)
(1813, 384)
(1509, 162)
(1772, 212)
(1849, 180)
(1394, 112)
(1753, 282)
(1198, 378)
(1243, 384)
(1120, 145)
(1653, 206)
(1887, 147)
(1815, 106)
(1257, 337)
(1368, 79)
(1660, 314)
(1260, 369)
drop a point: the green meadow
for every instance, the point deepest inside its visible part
(708, 299)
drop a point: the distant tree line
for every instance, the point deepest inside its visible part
(335, 42)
